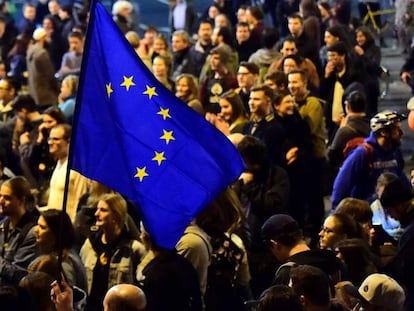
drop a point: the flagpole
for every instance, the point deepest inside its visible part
(73, 136)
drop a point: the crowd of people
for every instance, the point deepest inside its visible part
(297, 96)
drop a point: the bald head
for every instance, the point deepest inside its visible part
(125, 297)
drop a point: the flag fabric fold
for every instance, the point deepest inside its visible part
(133, 135)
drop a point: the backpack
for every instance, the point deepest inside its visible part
(358, 141)
(221, 292)
(354, 143)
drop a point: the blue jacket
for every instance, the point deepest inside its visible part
(358, 175)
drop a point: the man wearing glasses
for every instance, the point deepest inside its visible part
(247, 77)
(58, 141)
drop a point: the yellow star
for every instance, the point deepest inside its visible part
(150, 91)
(168, 135)
(164, 112)
(109, 89)
(159, 157)
(128, 82)
(141, 173)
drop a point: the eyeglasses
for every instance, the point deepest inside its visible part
(55, 139)
(327, 230)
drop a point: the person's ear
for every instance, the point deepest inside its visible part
(384, 133)
(274, 244)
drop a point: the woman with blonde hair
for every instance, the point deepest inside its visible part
(110, 255)
(187, 90)
(67, 96)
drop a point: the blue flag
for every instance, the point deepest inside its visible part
(136, 137)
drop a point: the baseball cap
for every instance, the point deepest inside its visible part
(385, 119)
(379, 290)
(277, 225)
(396, 192)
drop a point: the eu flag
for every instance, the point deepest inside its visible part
(136, 137)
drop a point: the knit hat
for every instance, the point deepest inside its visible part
(39, 34)
(223, 53)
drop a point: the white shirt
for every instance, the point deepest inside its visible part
(179, 15)
(77, 187)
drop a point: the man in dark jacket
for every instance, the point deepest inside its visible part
(356, 125)
(182, 62)
(282, 235)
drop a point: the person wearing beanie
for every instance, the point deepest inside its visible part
(41, 82)
(218, 79)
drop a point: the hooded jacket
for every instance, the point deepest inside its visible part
(359, 173)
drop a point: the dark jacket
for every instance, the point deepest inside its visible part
(210, 87)
(199, 55)
(298, 136)
(18, 249)
(325, 260)
(403, 263)
(171, 283)
(271, 132)
(265, 196)
(352, 74)
(245, 49)
(355, 127)
(183, 63)
(190, 19)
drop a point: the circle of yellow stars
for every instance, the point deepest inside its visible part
(167, 136)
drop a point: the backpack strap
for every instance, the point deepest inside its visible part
(370, 154)
(206, 243)
(289, 264)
